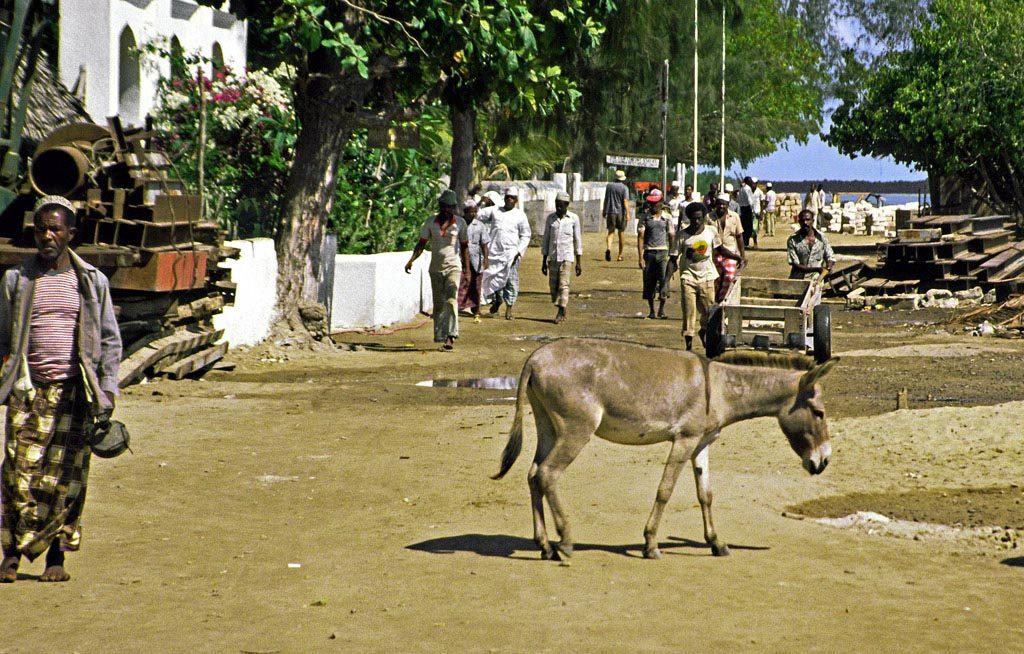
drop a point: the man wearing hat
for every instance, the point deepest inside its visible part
(507, 243)
(448, 238)
(655, 239)
(62, 348)
(758, 206)
(732, 254)
(561, 246)
(616, 212)
(771, 209)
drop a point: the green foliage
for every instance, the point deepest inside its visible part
(773, 83)
(250, 138)
(382, 196)
(953, 103)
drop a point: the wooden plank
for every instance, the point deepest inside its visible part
(762, 312)
(796, 323)
(769, 287)
(183, 342)
(920, 235)
(196, 361)
(768, 301)
(201, 308)
(100, 257)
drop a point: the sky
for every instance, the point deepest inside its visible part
(818, 160)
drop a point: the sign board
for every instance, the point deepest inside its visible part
(394, 137)
(636, 161)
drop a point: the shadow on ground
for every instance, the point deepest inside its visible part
(502, 545)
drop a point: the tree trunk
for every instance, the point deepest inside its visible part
(463, 131)
(326, 122)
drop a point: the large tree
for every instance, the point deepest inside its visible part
(773, 82)
(525, 80)
(952, 104)
(360, 65)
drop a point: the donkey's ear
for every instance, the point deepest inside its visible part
(811, 377)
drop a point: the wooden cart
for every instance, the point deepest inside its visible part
(764, 313)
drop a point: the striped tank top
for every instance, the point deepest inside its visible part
(52, 337)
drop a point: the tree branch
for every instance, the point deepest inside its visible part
(388, 19)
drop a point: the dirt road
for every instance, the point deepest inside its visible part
(328, 503)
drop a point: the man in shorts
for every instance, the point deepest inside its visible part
(616, 212)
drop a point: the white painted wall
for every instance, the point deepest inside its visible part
(90, 34)
(248, 321)
(374, 290)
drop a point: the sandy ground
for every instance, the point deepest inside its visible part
(325, 502)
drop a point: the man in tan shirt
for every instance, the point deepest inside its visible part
(730, 231)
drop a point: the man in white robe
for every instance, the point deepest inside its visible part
(510, 236)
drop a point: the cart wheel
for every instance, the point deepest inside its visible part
(822, 333)
(713, 339)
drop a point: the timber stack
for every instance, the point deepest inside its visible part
(955, 253)
(138, 223)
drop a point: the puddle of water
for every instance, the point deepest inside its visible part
(503, 383)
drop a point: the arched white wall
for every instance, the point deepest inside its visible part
(90, 33)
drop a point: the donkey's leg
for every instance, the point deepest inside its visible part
(702, 477)
(545, 440)
(677, 456)
(567, 446)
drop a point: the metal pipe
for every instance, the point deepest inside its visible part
(59, 171)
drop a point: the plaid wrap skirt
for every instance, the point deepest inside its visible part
(45, 470)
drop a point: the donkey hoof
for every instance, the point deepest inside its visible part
(719, 549)
(652, 554)
(548, 554)
(565, 551)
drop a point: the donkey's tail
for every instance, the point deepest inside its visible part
(515, 437)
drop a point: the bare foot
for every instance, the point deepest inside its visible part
(55, 573)
(9, 570)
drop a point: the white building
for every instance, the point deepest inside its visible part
(97, 50)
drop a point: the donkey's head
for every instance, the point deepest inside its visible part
(803, 421)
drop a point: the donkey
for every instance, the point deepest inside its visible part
(640, 395)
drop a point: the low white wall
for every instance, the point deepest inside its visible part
(374, 290)
(248, 321)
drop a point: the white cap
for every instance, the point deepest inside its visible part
(768, 184)
(754, 180)
(722, 197)
(675, 183)
(729, 187)
(512, 192)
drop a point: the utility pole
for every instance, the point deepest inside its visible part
(664, 126)
(695, 74)
(721, 162)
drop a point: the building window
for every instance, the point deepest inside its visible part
(179, 69)
(217, 57)
(128, 78)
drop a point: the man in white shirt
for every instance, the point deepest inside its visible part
(758, 206)
(770, 209)
(509, 238)
(561, 246)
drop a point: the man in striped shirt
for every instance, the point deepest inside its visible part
(61, 349)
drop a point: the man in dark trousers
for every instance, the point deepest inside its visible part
(616, 212)
(62, 348)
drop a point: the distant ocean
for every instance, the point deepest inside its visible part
(889, 198)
